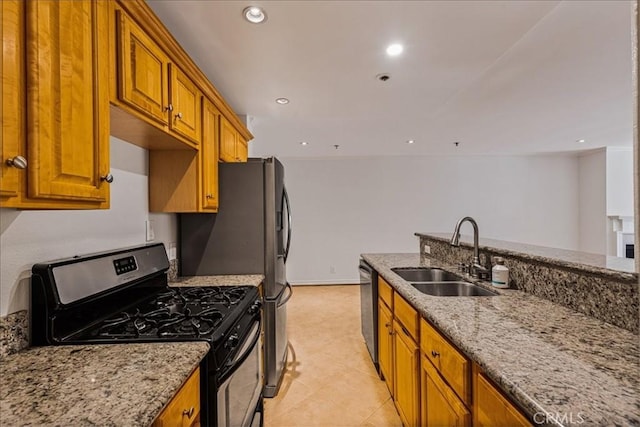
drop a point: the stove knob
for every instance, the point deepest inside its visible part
(255, 307)
(232, 341)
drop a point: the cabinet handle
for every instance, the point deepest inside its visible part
(188, 412)
(179, 116)
(209, 196)
(169, 107)
(17, 162)
(435, 353)
(108, 178)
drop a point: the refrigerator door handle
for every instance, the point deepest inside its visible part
(286, 200)
(283, 302)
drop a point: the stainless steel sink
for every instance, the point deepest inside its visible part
(453, 289)
(425, 274)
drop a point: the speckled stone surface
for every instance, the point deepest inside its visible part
(172, 273)
(608, 295)
(222, 280)
(94, 385)
(14, 333)
(615, 267)
(546, 357)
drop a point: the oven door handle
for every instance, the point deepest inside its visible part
(231, 366)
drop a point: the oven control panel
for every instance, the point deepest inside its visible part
(125, 265)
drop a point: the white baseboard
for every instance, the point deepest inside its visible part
(324, 282)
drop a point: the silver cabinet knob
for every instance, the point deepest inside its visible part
(188, 412)
(169, 107)
(179, 116)
(107, 178)
(17, 162)
(209, 196)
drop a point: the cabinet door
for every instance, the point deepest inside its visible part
(67, 100)
(12, 137)
(209, 155)
(385, 343)
(494, 410)
(142, 72)
(439, 404)
(185, 101)
(242, 149)
(228, 141)
(184, 408)
(406, 388)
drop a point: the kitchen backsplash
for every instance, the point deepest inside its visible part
(172, 273)
(610, 297)
(14, 333)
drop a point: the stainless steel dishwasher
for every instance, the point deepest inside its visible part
(369, 309)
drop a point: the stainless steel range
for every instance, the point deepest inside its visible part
(123, 297)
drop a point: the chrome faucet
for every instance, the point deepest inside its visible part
(475, 269)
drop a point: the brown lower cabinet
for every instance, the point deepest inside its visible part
(184, 409)
(433, 383)
(440, 406)
(492, 408)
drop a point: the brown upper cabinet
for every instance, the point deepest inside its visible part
(58, 116)
(116, 71)
(186, 180)
(233, 147)
(153, 86)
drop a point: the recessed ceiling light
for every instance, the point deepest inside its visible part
(254, 14)
(581, 140)
(410, 141)
(394, 49)
(304, 143)
(282, 101)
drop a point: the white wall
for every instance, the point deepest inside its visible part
(593, 202)
(28, 237)
(620, 181)
(342, 207)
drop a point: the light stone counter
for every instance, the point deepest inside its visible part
(222, 280)
(546, 357)
(94, 385)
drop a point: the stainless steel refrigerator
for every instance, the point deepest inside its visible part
(250, 234)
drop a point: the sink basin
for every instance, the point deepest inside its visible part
(425, 274)
(453, 289)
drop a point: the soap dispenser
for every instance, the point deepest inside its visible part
(499, 274)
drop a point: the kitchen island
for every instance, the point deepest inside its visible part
(560, 366)
(106, 385)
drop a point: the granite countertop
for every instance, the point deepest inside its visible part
(548, 358)
(222, 280)
(106, 385)
(616, 267)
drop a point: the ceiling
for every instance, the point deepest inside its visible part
(499, 77)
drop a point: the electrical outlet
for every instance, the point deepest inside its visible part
(427, 249)
(172, 251)
(150, 234)
(332, 270)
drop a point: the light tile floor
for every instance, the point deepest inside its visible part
(330, 379)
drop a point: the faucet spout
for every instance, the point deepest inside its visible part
(455, 239)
